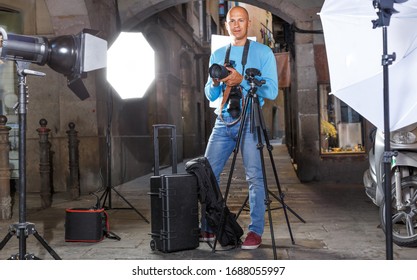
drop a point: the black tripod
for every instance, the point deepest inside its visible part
(257, 121)
(23, 229)
(107, 195)
(278, 198)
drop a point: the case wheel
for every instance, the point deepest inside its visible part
(153, 245)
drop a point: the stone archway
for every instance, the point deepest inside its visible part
(133, 12)
(304, 76)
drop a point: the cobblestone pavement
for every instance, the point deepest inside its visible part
(340, 223)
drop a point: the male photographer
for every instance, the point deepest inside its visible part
(245, 54)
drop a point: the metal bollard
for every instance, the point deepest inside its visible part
(74, 178)
(44, 164)
(5, 199)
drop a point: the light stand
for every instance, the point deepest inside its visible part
(257, 121)
(107, 195)
(384, 12)
(388, 154)
(23, 228)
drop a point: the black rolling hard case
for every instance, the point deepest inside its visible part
(174, 204)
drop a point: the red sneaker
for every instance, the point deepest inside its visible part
(207, 236)
(252, 241)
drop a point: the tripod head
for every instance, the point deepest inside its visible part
(250, 75)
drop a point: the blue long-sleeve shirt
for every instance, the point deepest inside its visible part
(260, 57)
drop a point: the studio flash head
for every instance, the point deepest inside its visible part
(71, 55)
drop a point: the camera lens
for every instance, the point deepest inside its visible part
(233, 106)
(218, 71)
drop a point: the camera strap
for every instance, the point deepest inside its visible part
(244, 55)
(227, 89)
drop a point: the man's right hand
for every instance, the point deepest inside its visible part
(233, 79)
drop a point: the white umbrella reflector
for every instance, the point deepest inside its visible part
(354, 52)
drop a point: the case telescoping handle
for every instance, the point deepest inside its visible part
(173, 129)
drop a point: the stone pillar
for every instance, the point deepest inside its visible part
(74, 178)
(5, 199)
(306, 108)
(45, 164)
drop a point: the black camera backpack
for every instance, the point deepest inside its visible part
(210, 195)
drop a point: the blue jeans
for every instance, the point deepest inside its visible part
(219, 148)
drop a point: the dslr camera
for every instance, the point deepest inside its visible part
(217, 71)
